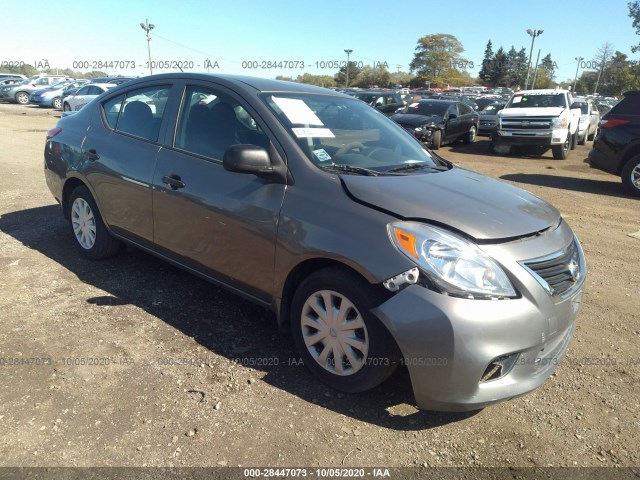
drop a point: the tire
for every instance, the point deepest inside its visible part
(436, 140)
(371, 354)
(561, 152)
(57, 103)
(584, 139)
(631, 175)
(498, 148)
(593, 135)
(92, 237)
(67, 107)
(470, 137)
(574, 140)
(22, 98)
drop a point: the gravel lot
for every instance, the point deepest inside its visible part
(93, 383)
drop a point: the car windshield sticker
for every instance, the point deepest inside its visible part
(322, 155)
(297, 111)
(313, 132)
(517, 99)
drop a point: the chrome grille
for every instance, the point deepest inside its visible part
(527, 123)
(559, 272)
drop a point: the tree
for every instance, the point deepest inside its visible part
(602, 58)
(401, 78)
(372, 77)
(319, 80)
(499, 68)
(435, 54)
(485, 71)
(634, 13)
(341, 77)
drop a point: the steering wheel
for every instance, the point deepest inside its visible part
(348, 147)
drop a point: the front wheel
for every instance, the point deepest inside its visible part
(338, 338)
(560, 152)
(92, 237)
(67, 107)
(57, 103)
(22, 98)
(470, 137)
(436, 140)
(631, 176)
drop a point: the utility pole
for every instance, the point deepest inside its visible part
(535, 71)
(533, 34)
(147, 27)
(575, 80)
(348, 51)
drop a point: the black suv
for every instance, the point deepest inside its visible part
(616, 149)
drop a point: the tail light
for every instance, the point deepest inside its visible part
(612, 123)
(53, 132)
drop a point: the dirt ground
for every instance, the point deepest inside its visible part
(131, 362)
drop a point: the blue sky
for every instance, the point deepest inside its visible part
(284, 30)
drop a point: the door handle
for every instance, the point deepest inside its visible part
(92, 155)
(174, 181)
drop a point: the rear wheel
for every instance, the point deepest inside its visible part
(338, 338)
(436, 140)
(631, 175)
(560, 152)
(593, 135)
(470, 137)
(92, 237)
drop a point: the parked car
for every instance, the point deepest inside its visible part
(438, 122)
(309, 203)
(616, 148)
(387, 102)
(19, 93)
(589, 119)
(13, 75)
(84, 95)
(484, 101)
(52, 96)
(9, 81)
(112, 80)
(489, 119)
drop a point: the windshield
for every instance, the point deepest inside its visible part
(540, 100)
(429, 108)
(492, 109)
(343, 131)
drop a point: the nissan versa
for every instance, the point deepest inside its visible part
(376, 251)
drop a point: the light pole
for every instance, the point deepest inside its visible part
(348, 51)
(147, 27)
(575, 80)
(533, 34)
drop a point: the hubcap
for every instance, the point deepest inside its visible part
(635, 176)
(334, 333)
(83, 223)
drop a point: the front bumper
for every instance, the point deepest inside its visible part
(448, 343)
(41, 101)
(543, 138)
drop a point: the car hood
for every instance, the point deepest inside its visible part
(415, 120)
(481, 207)
(489, 117)
(531, 112)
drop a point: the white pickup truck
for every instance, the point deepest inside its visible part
(543, 118)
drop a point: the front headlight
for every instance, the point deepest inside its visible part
(454, 265)
(559, 123)
(418, 129)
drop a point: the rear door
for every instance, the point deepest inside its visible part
(219, 223)
(121, 148)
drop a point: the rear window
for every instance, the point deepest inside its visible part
(629, 105)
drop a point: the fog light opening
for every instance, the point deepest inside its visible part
(499, 367)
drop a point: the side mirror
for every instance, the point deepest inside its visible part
(247, 159)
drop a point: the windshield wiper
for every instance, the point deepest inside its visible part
(416, 166)
(340, 167)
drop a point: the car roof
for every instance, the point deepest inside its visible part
(241, 82)
(443, 102)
